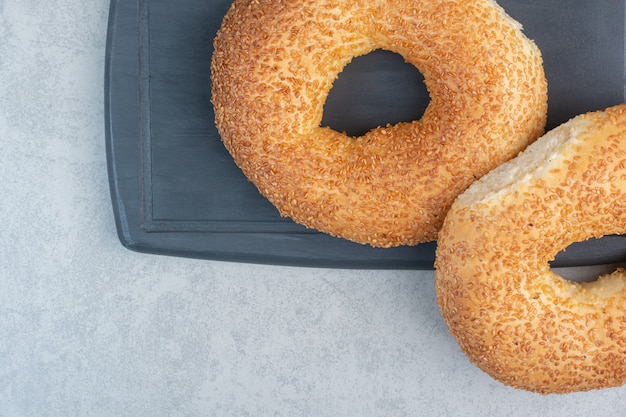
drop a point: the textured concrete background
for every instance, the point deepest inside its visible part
(88, 328)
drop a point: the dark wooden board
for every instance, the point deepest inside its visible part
(176, 191)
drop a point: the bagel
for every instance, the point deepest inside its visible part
(274, 64)
(513, 316)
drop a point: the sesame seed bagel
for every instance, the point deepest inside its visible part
(274, 65)
(512, 315)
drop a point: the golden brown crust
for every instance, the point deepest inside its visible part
(275, 63)
(516, 319)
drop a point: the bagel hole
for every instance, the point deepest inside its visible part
(589, 273)
(374, 90)
(587, 261)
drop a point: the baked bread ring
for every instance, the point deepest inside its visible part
(512, 315)
(275, 62)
